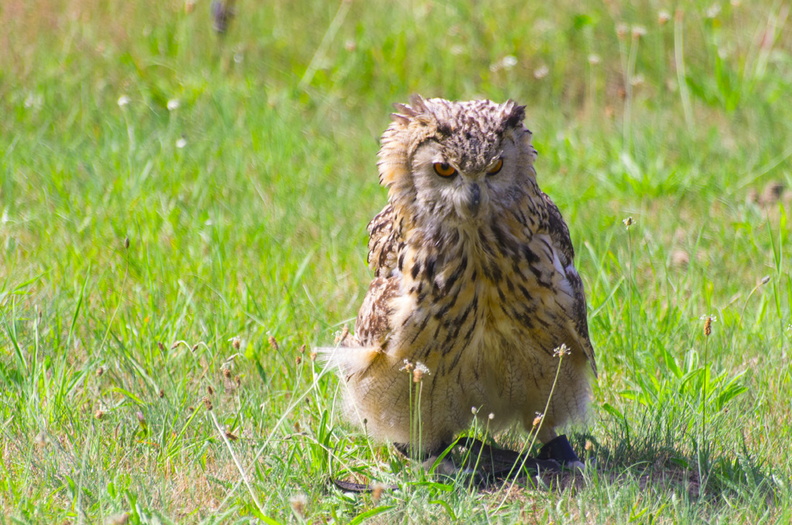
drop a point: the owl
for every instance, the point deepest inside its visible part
(475, 289)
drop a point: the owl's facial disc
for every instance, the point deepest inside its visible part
(452, 189)
(468, 195)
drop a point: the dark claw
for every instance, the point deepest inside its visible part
(493, 463)
(560, 450)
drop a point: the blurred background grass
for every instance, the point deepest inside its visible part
(127, 226)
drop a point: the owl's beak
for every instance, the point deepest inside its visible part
(474, 199)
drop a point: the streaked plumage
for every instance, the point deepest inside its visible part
(474, 279)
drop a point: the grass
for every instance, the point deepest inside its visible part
(158, 303)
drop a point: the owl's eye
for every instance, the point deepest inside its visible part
(444, 169)
(495, 167)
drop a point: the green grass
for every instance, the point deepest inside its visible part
(128, 265)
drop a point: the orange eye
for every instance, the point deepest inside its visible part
(495, 167)
(444, 169)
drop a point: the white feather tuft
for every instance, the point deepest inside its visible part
(348, 360)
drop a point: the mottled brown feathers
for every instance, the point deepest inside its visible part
(383, 242)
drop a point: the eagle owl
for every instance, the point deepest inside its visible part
(474, 284)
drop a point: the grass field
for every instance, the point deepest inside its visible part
(182, 218)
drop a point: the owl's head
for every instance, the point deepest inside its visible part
(456, 162)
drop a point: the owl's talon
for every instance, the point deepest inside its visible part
(560, 450)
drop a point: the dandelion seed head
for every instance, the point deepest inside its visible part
(181, 143)
(541, 72)
(118, 519)
(408, 366)
(123, 100)
(376, 491)
(33, 101)
(298, 503)
(419, 371)
(173, 104)
(509, 61)
(680, 258)
(562, 351)
(41, 440)
(342, 335)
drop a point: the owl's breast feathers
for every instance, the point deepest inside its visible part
(510, 278)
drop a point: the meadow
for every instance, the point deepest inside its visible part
(182, 220)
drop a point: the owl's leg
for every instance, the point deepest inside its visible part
(546, 434)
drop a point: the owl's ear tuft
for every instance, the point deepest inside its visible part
(417, 106)
(418, 103)
(406, 112)
(513, 114)
(400, 119)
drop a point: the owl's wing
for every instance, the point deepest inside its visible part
(384, 242)
(575, 304)
(557, 228)
(373, 324)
